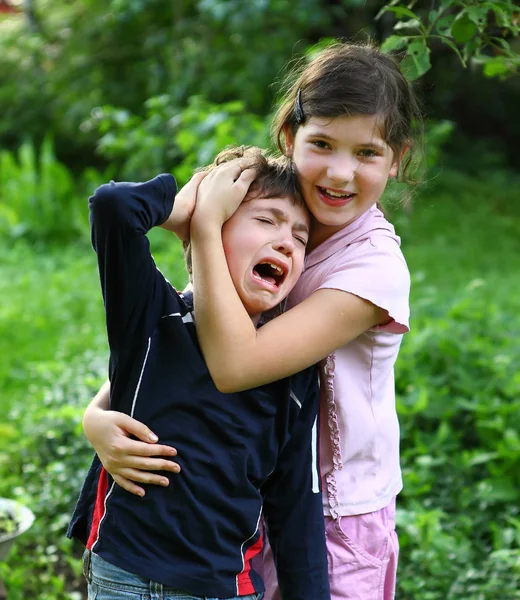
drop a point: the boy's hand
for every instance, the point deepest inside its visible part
(129, 461)
(183, 207)
(221, 193)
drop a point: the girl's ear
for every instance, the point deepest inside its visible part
(289, 140)
(394, 169)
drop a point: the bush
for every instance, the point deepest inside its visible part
(169, 138)
(40, 199)
(459, 406)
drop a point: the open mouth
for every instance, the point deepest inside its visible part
(334, 195)
(270, 273)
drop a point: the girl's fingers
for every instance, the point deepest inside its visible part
(246, 178)
(129, 486)
(192, 186)
(136, 428)
(197, 178)
(150, 464)
(137, 448)
(137, 476)
(117, 462)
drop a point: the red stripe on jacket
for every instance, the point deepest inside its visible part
(244, 584)
(99, 508)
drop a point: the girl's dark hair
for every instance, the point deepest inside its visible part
(275, 177)
(353, 80)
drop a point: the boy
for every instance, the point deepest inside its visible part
(242, 454)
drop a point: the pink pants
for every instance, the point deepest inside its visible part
(362, 551)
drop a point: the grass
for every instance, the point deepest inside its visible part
(463, 232)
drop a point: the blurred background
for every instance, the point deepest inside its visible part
(92, 90)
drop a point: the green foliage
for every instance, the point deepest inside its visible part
(52, 361)
(479, 31)
(71, 58)
(169, 138)
(39, 197)
(458, 395)
(80, 55)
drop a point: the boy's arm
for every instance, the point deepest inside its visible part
(121, 214)
(293, 510)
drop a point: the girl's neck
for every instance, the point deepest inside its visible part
(321, 233)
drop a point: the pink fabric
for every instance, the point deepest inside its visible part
(359, 436)
(362, 552)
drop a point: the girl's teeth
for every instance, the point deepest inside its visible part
(336, 194)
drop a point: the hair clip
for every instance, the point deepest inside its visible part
(299, 115)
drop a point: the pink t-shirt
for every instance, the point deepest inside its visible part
(359, 437)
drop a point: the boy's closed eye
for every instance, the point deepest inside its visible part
(299, 238)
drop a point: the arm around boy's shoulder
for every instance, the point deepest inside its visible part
(293, 506)
(121, 214)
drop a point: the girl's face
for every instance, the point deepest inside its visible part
(343, 164)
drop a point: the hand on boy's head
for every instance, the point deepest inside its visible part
(183, 207)
(222, 192)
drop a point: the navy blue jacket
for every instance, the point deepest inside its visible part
(241, 455)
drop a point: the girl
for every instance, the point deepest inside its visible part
(348, 122)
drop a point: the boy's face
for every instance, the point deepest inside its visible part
(264, 242)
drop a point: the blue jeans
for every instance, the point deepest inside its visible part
(108, 582)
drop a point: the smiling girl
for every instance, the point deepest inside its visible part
(348, 123)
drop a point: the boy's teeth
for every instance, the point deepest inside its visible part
(276, 268)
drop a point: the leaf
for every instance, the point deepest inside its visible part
(501, 17)
(444, 24)
(393, 43)
(463, 29)
(417, 60)
(494, 66)
(477, 14)
(480, 458)
(399, 12)
(410, 24)
(498, 489)
(452, 45)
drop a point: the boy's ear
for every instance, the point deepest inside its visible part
(289, 140)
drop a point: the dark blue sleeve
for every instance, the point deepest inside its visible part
(121, 214)
(293, 508)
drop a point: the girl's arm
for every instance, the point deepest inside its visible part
(127, 460)
(239, 356)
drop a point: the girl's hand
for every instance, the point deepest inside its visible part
(128, 461)
(221, 193)
(183, 207)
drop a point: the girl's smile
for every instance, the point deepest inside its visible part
(343, 165)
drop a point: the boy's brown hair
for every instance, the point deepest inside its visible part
(275, 177)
